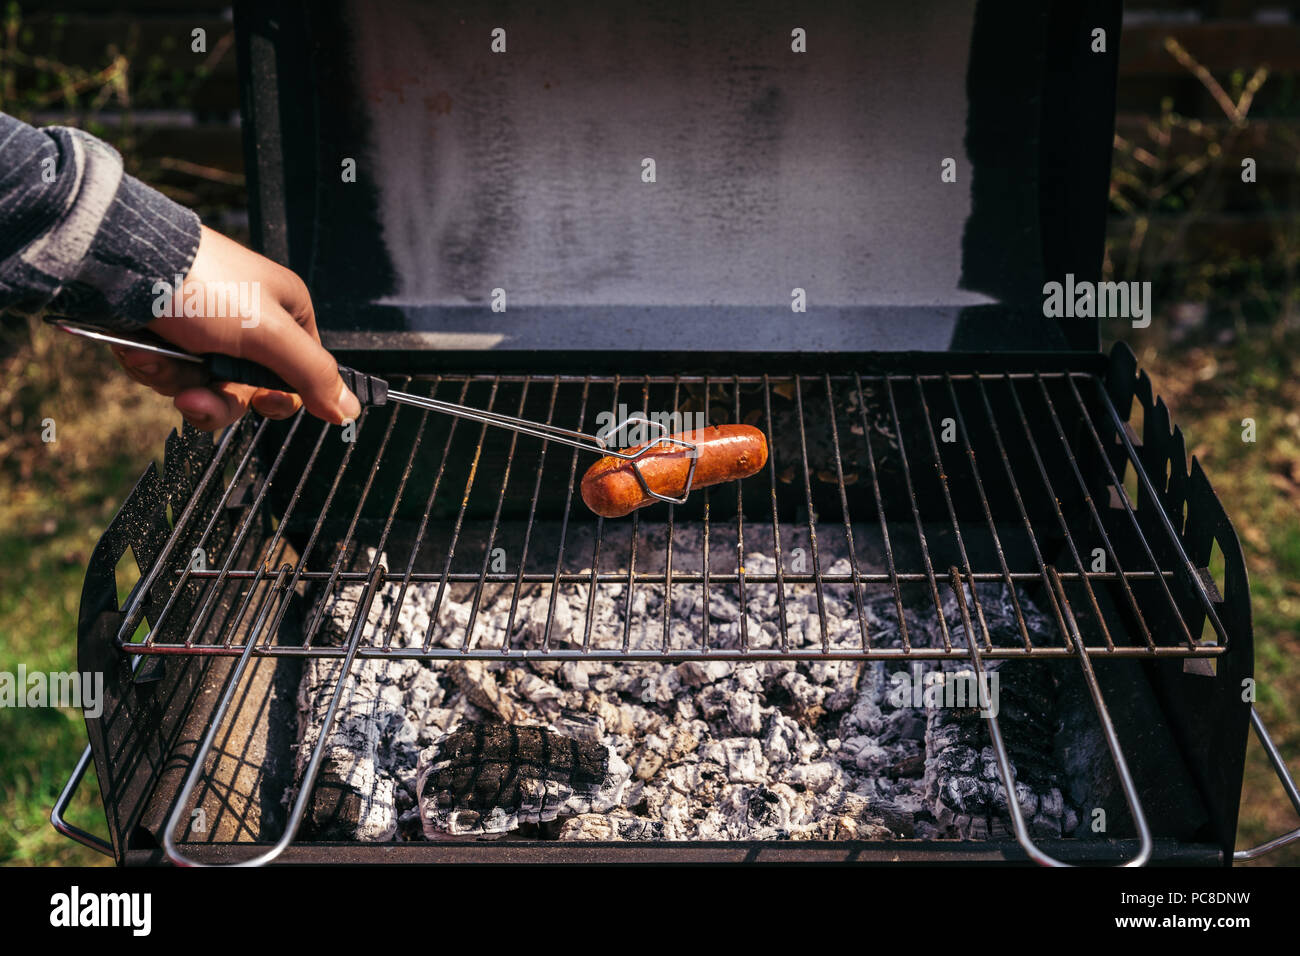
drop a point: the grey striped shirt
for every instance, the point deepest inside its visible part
(78, 236)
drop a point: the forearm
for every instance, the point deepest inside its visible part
(80, 236)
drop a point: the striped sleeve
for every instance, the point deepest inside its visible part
(78, 236)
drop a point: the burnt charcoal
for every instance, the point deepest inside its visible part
(353, 797)
(1168, 794)
(493, 777)
(962, 781)
(336, 810)
(482, 767)
(904, 725)
(764, 809)
(910, 766)
(897, 819)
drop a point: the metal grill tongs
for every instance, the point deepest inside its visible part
(372, 390)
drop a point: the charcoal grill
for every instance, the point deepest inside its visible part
(929, 421)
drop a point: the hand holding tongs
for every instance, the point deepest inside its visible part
(372, 390)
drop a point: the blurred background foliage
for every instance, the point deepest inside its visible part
(1203, 86)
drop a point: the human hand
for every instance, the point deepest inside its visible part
(280, 334)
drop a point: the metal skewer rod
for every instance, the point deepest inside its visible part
(565, 436)
(99, 335)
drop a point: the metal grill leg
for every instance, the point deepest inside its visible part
(1288, 784)
(1103, 714)
(308, 783)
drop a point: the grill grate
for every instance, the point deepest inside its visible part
(925, 483)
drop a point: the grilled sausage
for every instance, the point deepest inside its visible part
(725, 452)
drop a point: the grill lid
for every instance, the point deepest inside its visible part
(524, 171)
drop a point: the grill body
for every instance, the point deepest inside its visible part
(265, 505)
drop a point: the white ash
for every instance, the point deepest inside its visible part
(697, 750)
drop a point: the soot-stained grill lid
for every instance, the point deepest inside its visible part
(667, 177)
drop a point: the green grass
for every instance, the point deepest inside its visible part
(1210, 389)
(55, 500)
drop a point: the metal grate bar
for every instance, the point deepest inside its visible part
(708, 500)
(1198, 585)
(1069, 456)
(696, 653)
(952, 512)
(812, 513)
(1046, 444)
(406, 474)
(844, 507)
(201, 617)
(428, 510)
(1014, 485)
(564, 524)
(496, 523)
(460, 520)
(397, 497)
(894, 577)
(988, 514)
(401, 490)
(759, 378)
(740, 536)
(1063, 523)
(630, 586)
(631, 558)
(668, 549)
(691, 577)
(528, 528)
(595, 551)
(188, 570)
(916, 516)
(251, 638)
(342, 549)
(782, 616)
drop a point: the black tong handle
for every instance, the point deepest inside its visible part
(369, 389)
